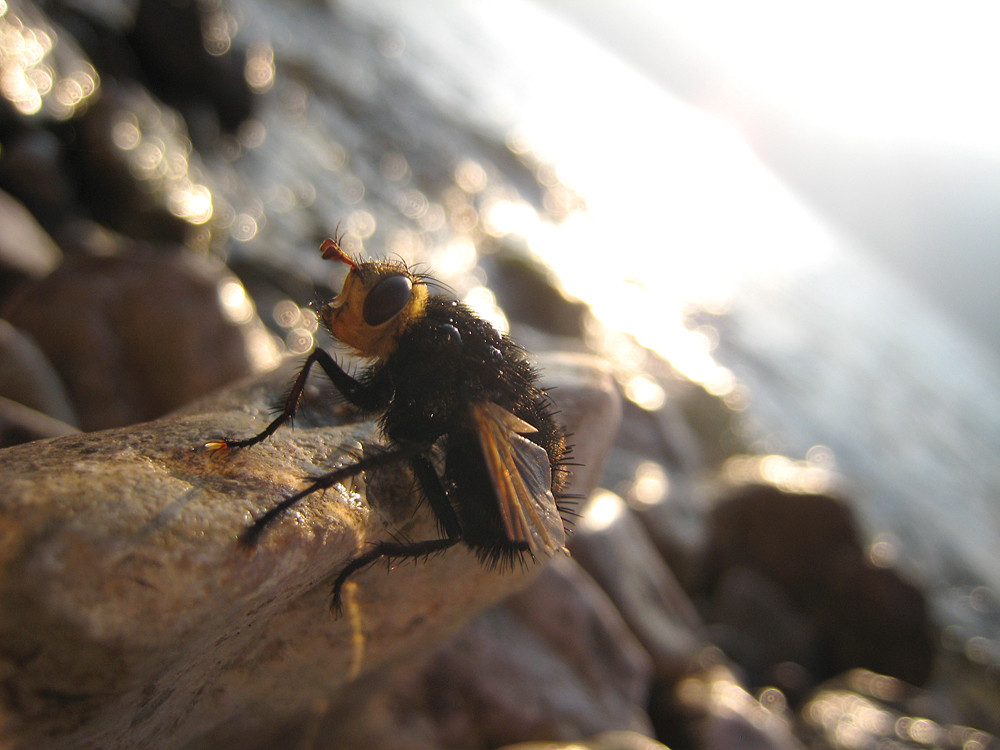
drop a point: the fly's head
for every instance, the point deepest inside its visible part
(377, 303)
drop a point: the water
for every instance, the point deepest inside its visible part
(684, 223)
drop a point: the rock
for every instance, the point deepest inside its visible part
(531, 294)
(554, 661)
(809, 545)
(862, 709)
(140, 176)
(25, 248)
(33, 168)
(129, 616)
(612, 546)
(187, 53)
(602, 741)
(21, 424)
(793, 538)
(758, 626)
(719, 714)
(878, 620)
(47, 77)
(27, 377)
(26, 251)
(137, 335)
(585, 634)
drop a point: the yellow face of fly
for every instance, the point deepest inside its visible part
(378, 302)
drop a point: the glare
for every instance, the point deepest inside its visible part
(645, 393)
(361, 224)
(125, 133)
(216, 30)
(394, 167)
(31, 79)
(413, 203)
(457, 258)
(784, 473)
(259, 70)
(352, 190)
(148, 158)
(510, 217)
(484, 304)
(651, 485)
(191, 202)
(884, 551)
(470, 176)
(236, 305)
(909, 72)
(603, 509)
(244, 228)
(298, 341)
(433, 218)
(286, 313)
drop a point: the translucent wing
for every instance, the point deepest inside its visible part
(522, 477)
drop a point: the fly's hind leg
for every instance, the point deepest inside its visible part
(448, 524)
(390, 551)
(251, 536)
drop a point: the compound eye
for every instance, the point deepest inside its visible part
(386, 299)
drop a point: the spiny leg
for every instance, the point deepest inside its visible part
(435, 493)
(252, 534)
(362, 395)
(390, 550)
(448, 522)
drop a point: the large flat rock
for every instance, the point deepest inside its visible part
(130, 616)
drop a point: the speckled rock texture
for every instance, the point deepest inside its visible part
(130, 616)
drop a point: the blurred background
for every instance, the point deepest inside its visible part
(796, 205)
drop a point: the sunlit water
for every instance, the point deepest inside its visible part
(834, 349)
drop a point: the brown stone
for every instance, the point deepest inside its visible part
(613, 547)
(130, 617)
(137, 335)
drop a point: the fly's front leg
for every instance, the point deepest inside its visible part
(360, 394)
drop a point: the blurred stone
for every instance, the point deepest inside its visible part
(187, 51)
(134, 336)
(47, 78)
(27, 377)
(863, 709)
(139, 173)
(602, 741)
(756, 624)
(555, 661)
(878, 620)
(795, 539)
(612, 546)
(721, 715)
(32, 169)
(586, 635)
(530, 294)
(26, 251)
(809, 545)
(130, 616)
(21, 424)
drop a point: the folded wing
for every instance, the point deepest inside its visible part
(522, 477)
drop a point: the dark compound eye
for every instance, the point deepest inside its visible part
(386, 299)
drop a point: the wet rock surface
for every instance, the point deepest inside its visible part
(131, 616)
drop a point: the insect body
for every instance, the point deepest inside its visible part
(440, 376)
